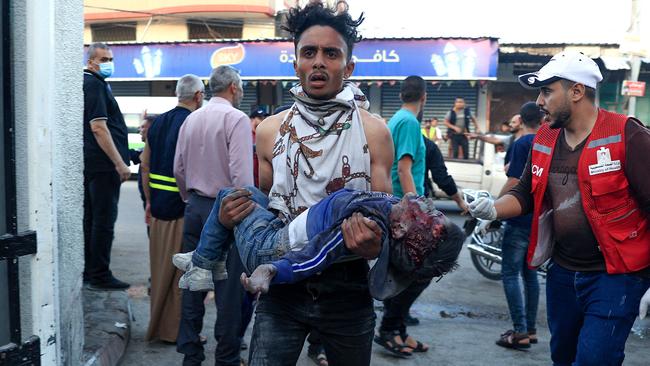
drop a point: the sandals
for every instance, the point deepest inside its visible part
(533, 337)
(419, 348)
(514, 340)
(386, 339)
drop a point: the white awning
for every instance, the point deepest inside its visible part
(616, 62)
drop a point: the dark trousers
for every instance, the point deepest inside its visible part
(101, 195)
(234, 307)
(315, 344)
(459, 140)
(336, 303)
(397, 308)
(590, 315)
(192, 308)
(234, 311)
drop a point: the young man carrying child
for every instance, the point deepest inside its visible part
(417, 241)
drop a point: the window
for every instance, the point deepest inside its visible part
(113, 32)
(214, 28)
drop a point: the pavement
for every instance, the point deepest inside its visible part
(106, 327)
(460, 317)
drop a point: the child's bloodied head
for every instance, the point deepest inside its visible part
(424, 244)
(417, 227)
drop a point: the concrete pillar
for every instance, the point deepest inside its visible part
(47, 59)
(634, 76)
(482, 108)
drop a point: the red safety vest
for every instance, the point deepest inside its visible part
(618, 223)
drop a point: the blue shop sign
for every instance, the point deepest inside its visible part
(433, 59)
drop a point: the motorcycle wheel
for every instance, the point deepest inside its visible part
(486, 267)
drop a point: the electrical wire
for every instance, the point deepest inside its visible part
(187, 18)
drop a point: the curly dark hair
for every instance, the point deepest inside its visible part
(298, 20)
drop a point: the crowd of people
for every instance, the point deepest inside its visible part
(300, 201)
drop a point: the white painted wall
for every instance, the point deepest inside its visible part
(47, 62)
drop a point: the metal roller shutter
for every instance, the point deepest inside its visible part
(249, 100)
(130, 88)
(440, 99)
(390, 102)
(286, 96)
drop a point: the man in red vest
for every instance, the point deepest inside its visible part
(586, 183)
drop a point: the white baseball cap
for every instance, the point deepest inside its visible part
(570, 65)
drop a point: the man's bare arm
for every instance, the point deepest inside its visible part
(490, 139)
(381, 150)
(361, 235)
(404, 174)
(265, 135)
(507, 206)
(105, 142)
(145, 158)
(511, 182)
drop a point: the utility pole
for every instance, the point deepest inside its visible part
(635, 50)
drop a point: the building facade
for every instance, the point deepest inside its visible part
(41, 254)
(178, 20)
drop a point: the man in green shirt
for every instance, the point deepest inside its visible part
(408, 177)
(410, 151)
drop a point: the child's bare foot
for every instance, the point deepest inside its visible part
(260, 279)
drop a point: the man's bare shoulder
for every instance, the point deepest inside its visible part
(373, 124)
(270, 125)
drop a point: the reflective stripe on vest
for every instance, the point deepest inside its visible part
(165, 183)
(162, 177)
(542, 148)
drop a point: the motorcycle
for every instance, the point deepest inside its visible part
(484, 241)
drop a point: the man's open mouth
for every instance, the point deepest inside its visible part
(318, 78)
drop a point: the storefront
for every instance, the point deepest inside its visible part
(506, 95)
(375, 59)
(452, 67)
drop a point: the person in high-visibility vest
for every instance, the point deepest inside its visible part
(165, 208)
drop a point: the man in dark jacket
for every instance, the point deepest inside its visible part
(436, 169)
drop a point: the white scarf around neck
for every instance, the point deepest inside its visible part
(321, 147)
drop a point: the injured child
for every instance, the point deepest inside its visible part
(418, 242)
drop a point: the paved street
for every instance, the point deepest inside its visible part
(461, 316)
